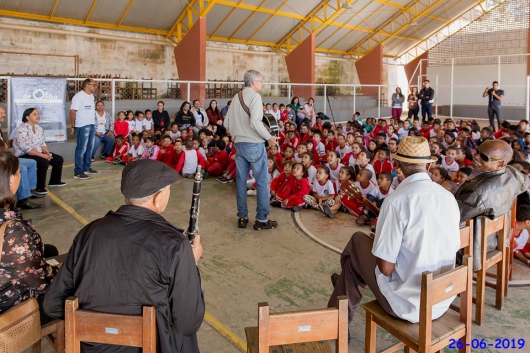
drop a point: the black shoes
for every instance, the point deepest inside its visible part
(26, 204)
(276, 203)
(242, 222)
(267, 225)
(296, 208)
(328, 211)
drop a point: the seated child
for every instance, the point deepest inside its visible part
(319, 146)
(343, 201)
(441, 176)
(398, 178)
(334, 165)
(302, 148)
(230, 173)
(121, 150)
(292, 195)
(151, 148)
(383, 164)
(343, 147)
(136, 150)
(384, 180)
(463, 174)
(220, 160)
(307, 161)
(166, 154)
(280, 181)
(272, 173)
(363, 162)
(189, 161)
(289, 153)
(139, 124)
(522, 226)
(174, 133)
(148, 121)
(121, 126)
(273, 151)
(322, 193)
(331, 140)
(350, 158)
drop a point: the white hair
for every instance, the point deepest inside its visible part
(251, 76)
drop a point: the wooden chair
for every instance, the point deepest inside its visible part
(53, 331)
(123, 330)
(466, 244)
(428, 335)
(489, 259)
(509, 266)
(285, 330)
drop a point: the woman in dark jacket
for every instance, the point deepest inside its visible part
(161, 118)
(24, 274)
(184, 117)
(215, 118)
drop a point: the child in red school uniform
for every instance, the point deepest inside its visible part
(230, 173)
(307, 161)
(132, 126)
(301, 149)
(220, 160)
(166, 154)
(383, 164)
(278, 183)
(364, 182)
(273, 151)
(425, 130)
(151, 149)
(351, 157)
(186, 136)
(318, 124)
(290, 140)
(292, 195)
(380, 127)
(343, 201)
(322, 195)
(331, 142)
(179, 152)
(463, 157)
(334, 165)
(304, 133)
(283, 113)
(121, 151)
(189, 161)
(449, 161)
(121, 126)
(289, 154)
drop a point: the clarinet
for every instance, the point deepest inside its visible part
(193, 227)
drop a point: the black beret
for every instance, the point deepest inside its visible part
(145, 177)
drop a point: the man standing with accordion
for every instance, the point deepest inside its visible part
(244, 121)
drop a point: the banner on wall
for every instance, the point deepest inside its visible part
(46, 94)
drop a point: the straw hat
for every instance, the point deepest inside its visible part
(414, 149)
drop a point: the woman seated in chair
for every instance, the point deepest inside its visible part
(23, 272)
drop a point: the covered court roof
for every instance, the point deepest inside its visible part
(346, 27)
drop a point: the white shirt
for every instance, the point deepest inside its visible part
(190, 162)
(174, 135)
(521, 241)
(324, 190)
(379, 195)
(321, 149)
(139, 125)
(334, 173)
(416, 239)
(148, 124)
(100, 123)
(275, 114)
(371, 168)
(200, 120)
(402, 133)
(371, 189)
(453, 167)
(343, 151)
(85, 109)
(137, 151)
(312, 174)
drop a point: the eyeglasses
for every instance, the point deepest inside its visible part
(487, 158)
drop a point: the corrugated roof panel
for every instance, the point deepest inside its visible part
(212, 22)
(229, 27)
(252, 25)
(41, 7)
(76, 10)
(109, 11)
(274, 4)
(327, 44)
(350, 41)
(252, 2)
(302, 8)
(276, 29)
(399, 47)
(155, 14)
(453, 8)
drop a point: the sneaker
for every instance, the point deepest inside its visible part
(41, 191)
(103, 156)
(92, 159)
(36, 196)
(252, 192)
(297, 208)
(328, 211)
(91, 171)
(81, 175)
(242, 222)
(220, 177)
(26, 204)
(268, 225)
(116, 162)
(228, 180)
(362, 221)
(58, 185)
(276, 203)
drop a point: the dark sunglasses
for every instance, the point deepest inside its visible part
(486, 158)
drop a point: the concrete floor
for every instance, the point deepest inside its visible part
(284, 267)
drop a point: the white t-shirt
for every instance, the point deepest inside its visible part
(276, 114)
(334, 173)
(521, 241)
(148, 124)
(297, 158)
(321, 149)
(190, 163)
(174, 135)
(389, 137)
(371, 168)
(453, 167)
(100, 123)
(85, 109)
(324, 190)
(343, 151)
(136, 152)
(371, 189)
(132, 125)
(272, 176)
(139, 125)
(402, 133)
(415, 238)
(379, 195)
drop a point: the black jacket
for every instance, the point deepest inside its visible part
(161, 120)
(128, 259)
(426, 94)
(489, 194)
(181, 118)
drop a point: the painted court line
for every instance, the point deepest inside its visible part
(299, 223)
(210, 320)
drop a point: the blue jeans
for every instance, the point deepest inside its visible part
(426, 109)
(252, 156)
(28, 178)
(83, 149)
(106, 140)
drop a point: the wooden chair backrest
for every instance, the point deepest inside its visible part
(435, 289)
(466, 237)
(124, 330)
(491, 226)
(303, 326)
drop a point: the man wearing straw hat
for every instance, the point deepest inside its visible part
(411, 237)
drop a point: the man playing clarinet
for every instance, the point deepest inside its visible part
(132, 258)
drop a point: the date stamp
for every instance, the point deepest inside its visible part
(482, 343)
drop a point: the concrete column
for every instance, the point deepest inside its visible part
(190, 57)
(370, 71)
(411, 66)
(301, 67)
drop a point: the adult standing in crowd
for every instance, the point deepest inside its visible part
(490, 193)
(414, 108)
(104, 131)
(244, 121)
(134, 257)
(28, 142)
(495, 96)
(410, 238)
(24, 273)
(82, 119)
(201, 118)
(28, 175)
(215, 118)
(427, 99)
(397, 104)
(161, 117)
